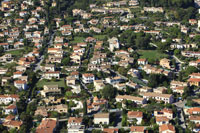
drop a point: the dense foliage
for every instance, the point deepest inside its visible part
(167, 3)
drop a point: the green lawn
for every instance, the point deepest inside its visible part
(16, 52)
(60, 83)
(136, 80)
(78, 39)
(151, 54)
(99, 37)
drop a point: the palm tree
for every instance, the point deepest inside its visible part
(191, 125)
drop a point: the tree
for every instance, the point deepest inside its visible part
(187, 92)
(85, 107)
(191, 125)
(122, 71)
(190, 70)
(109, 92)
(1, 50)
(66, 61)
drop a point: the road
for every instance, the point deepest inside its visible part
(180, 106)
(178, 60)
(119, 74)
(85, 87)
(41, 59)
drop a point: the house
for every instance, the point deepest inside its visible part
(133, 72)
(137, 100)
(48, 125)
(167, 98)
(164, 113)
(76, 129)
(175, 84)
(90, 40)
(153, 9)
(179, 90)
(133, 3)
(60, 108)
(132, 85)
(99, 85)
(165, 63)
(145, 89)
(135, 115)
(41, 111)
(160, 90)
(76, 57)
(50, 90)
(120, 86)
(142, 62)
(6, 99)
(113, 43)
(49, 68)
(88, 78)
(160, 120)
(96, 104)
(5, 80)
(194, 63)
(114, 80)
(7, 58)
(13, 124)
(20, 84)
(194, 81)
(192, 21)
(138, 129)
(192, 111)
(5, 46)
(73, 121)
(11, 109)
(50, 75)
(167, 128)
(6, 5)
(195, 119)
(3, 71)
(17, 74)
(10, 117)
(75, 74)
(101, 118)
(110, 130)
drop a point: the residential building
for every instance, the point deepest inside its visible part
(101, 118)
(138, 129)
(165, 63)
(167, 98)
(88, 78)
(164, 113)
(160, 120)
(137, 100)
(48, 125)
(50, 90)
(135, 115)
(21, 84)
(167, 128)
(50, 75)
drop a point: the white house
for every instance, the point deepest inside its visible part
(135, 115)
(101, 118)
(5, 99)
(20, 84)
(88, 78)
(17, 74)
(50, 75)
(113, 43)
(73, 121)
(11, 109)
